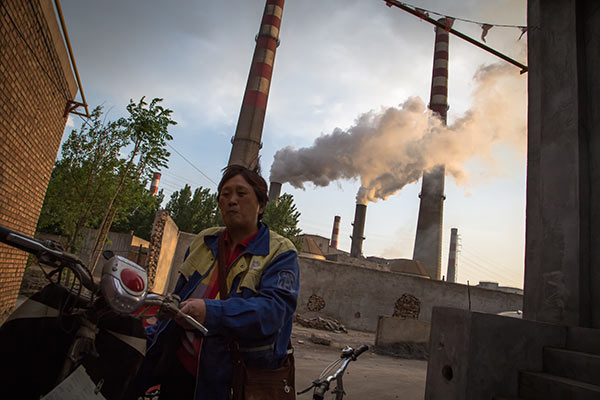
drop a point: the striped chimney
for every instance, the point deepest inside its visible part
(428, 240)
(247, 140)
(274, 192)
(358, 230)
(451, 277)
(336, 232)
(154, 184)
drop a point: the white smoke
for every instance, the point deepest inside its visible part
(391, 148)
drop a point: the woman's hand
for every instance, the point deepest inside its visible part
(195, 308)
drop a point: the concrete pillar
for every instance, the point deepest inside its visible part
(451, 275)
(562, 260)
(248, 134)
(428, 240)
(358, 231)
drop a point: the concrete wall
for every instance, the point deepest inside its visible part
(168, 246)
(475, 356)
(184, 241)
(357, 296)
(391, 330)
(35, 84)
(562, 281)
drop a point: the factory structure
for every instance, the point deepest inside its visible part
(428, 239)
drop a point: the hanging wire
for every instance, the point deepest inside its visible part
(462, 19)
(192, 164)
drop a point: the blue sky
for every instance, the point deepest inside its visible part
(337, 60)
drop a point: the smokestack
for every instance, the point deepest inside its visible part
(452, 255)
(247, 140)
(154, 185)
(274, 192)
(359, 230)
(335, 232)
(428, 240)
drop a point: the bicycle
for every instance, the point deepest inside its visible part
(321, 385)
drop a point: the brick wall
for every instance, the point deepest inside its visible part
(35, 85)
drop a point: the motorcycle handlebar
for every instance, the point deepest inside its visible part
(161, 301)
(47, 255)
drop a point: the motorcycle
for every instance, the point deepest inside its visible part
(77, 338)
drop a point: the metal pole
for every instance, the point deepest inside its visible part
(68, 42)
(456, 33)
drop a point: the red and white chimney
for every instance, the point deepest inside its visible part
(248, 134)
(428, 240)
(335, 232)
(155, 182)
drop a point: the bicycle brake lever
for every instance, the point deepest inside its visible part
(314, 384)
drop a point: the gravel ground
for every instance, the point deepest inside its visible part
(372, 376)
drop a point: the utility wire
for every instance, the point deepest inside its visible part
(486, 260)
(192, 164)
(484, 269)
(463, 19)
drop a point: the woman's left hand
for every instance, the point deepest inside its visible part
(195, 308)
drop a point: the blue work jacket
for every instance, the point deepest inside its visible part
(263, 288)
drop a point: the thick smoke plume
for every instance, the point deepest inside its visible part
(391, 148)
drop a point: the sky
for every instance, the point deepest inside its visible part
(340, 63)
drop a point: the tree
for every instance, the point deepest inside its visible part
(283, 218)
(146, 131)
(83, 179)
(193, 213)
(139, 214)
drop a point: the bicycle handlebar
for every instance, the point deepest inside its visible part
(47, 255)
(359, 351)
(322, 385)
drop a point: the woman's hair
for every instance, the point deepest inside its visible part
(252, 177)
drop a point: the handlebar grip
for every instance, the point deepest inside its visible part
(319, 393)
(20, 241)
(360, 350)
(39, 249)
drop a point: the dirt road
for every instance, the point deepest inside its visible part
(373, 376)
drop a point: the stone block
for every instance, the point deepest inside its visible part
(476, 356)
(406, 338)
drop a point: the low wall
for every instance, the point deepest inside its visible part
(407, 338)
(392, 330)
(357, 296)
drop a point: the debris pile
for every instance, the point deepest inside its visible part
(325, 324)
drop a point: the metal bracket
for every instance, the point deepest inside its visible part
(72, 107)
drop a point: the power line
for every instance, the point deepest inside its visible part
(483, 269)
(192, 164)
(462, 19)
(171, 175)
(486, 260)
